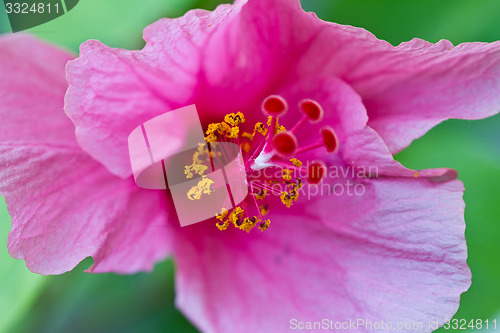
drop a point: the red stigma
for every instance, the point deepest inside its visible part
(312, 110)
(274, 105)
(285, 143)
(330, 139)
(316, 171)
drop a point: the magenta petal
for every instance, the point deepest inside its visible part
(366, 150)
(218, 56)
(64, 205)
(406, 89)
(31, 88)
(397, 254)
(108, 97)
(113, 91)
(415, 86)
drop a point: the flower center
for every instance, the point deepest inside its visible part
(270, 160)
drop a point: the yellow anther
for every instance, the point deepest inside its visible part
(278, 128)
(233, 132)
(241, 117)
(202, 154)
(269, 120)
(264, 210)
(287, 174)
(296, 162)
(194, 193)
(235, 216)
(188, 172)
(259, 127)
(294, 193)
(224, 128)
(212, 128)
(211, 137)
(204, 186)
(286, 199)
(199, 168)
(248, 224)
(289, 197)
(222, 226)
(261, 195)
(196, 158)
(263, 226)
(234, 119)
(222, 214)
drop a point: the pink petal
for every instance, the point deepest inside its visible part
(64, 205)
(232, 58)
(33, 87)
(407, 89)
(410, 89)
(113, 91)
(396, 254)
(366, 150)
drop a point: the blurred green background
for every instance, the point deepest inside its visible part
(79, 302)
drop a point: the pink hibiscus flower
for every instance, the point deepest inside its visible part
(396, 254)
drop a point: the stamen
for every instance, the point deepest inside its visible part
(264, 209)
(261, 195)
(234, 119)
(286, 198)
(259, 127)
(204, 186)
(270, 145)
(296, 162)
(248, 224)
(235, 216)
(222, 226)
(277, 127)
(222, 214)
(263, 226)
